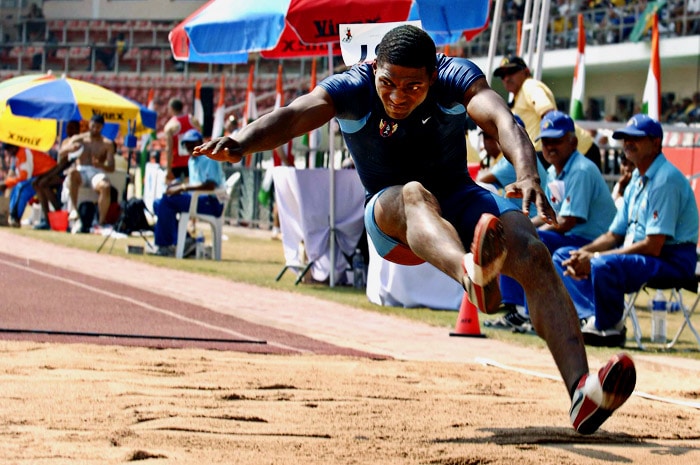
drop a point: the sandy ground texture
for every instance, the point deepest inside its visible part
(430, 399)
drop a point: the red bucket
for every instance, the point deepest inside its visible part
(473, 169)
(59, 220)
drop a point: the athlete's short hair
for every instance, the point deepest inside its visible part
(408, 46)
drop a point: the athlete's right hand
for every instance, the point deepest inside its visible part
(220, 149)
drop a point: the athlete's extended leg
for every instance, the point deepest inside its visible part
(555, 320)
(412, 215)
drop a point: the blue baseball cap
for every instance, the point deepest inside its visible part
(554, 125)
(191, 136)
(640, 125)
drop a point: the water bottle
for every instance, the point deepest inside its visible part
(199, 246)
(658, 317)
(359, 276)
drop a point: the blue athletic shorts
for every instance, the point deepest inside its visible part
(462, 209)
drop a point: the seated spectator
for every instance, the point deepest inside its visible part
(654, 235)
(204, 174)
(47, 184)
(49, 52)
(577, 191)
(95, 157)
(28, 164)
(35, 23)
(502, 172)
(107, 54)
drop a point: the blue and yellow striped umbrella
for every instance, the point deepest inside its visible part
(65, 99)
(39, 134)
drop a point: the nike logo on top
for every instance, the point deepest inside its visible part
(426, 119)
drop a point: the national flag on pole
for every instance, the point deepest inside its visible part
(217, 129)
(651, 102)
(198, 108)
(279, 94)
(644, 21)
(281, 155)
(313, 135)
(250, 111)
(146, 141)
(579, 84)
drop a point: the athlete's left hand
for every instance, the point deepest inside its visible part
(530, 191)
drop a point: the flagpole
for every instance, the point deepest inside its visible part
(331, 173)
(579, 83)
(651, 100)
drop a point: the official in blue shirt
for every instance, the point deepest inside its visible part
(204, 174)
(502, 173)
(653, 235)
(577, 192)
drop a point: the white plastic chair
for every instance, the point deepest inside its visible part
(216, 223)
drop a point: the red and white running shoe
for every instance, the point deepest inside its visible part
(483, 264)
(597, 397)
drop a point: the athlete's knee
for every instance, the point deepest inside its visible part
(527, 255)
(414, 193)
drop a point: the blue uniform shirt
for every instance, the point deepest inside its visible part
(205, 169)
(662, 203)
(428, 146)
(580, 191)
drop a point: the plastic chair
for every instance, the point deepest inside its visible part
(216, 223)
(676, 287)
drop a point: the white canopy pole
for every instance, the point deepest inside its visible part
(541, 38)
(331, 172)
(495, 27)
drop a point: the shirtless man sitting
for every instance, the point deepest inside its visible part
(95, 157)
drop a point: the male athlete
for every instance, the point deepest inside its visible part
(403, 119)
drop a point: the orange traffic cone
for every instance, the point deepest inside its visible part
(467, 320)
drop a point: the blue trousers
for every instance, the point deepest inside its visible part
(511, 291)
(167, 207)
(612, 276)
(20, 196)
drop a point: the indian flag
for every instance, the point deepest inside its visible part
(217, 129)
(651, 102)
(250, 112)
(198, 108)
(146, 141)
(313, 135)
(579, 84)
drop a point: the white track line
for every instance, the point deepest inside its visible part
(644, 395)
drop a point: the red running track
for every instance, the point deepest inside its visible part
(44, 303)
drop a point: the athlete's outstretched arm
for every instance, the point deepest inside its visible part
(304, 114)
(490, 113)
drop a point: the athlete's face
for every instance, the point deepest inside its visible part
(401, 89)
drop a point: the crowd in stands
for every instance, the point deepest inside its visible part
(608, 21)
(685, 110)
